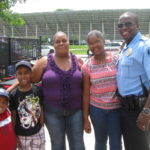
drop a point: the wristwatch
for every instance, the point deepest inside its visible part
(146, 111)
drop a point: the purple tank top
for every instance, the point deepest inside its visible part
(62, 89)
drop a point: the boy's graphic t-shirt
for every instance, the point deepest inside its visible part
(28, 109)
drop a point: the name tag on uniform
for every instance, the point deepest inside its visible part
(129, 52)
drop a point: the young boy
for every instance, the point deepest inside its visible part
(27, 113)
(7, 135)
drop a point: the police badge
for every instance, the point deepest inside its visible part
(129, 51)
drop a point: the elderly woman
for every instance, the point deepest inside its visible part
(62, 90)
(99, 94)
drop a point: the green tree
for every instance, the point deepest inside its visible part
(7, 15)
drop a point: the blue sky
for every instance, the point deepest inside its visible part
(51, 5)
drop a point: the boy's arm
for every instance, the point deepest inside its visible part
(13, 116)
(42, 117)
(37, 72)
(13, 86)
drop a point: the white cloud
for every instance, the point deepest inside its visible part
(51, 5)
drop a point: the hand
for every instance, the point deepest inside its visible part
(42, 118)
(19, 143)
(42, 121)
(87, 126)
(143, 122)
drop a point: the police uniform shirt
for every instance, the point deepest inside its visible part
(134, 61)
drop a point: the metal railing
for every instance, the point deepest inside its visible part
(13, 50)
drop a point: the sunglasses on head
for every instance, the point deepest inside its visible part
(127, 24)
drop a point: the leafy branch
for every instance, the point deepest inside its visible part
(7, 15)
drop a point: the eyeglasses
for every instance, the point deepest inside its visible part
(127, 24)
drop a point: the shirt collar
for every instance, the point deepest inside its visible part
(136, 38)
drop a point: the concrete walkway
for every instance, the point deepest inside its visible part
(88, 139)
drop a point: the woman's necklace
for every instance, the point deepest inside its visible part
(101, 59)
(64, 63)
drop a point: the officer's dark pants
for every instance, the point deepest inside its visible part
(134, 138)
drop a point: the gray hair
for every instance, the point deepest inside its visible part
(96, 33)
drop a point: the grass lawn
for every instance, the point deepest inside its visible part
(78, 49)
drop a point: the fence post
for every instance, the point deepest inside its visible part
(9, 51)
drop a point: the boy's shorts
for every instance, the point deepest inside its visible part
(34, 142)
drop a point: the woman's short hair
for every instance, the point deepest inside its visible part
(132, 15)
(96, 33)
(59, 32)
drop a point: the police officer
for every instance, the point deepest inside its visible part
(134, 83)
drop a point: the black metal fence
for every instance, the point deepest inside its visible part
(13, 50)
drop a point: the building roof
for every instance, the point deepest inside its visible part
(75, 23)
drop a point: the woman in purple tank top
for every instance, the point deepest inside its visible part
(62, 90)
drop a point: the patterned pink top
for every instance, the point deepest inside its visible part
(103, 82)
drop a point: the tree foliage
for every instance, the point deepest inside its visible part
(7, 15)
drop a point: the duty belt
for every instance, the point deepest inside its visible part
(133, 102)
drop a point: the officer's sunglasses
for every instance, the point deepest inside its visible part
(127, 24)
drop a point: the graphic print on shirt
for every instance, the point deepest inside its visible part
(29, 111)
